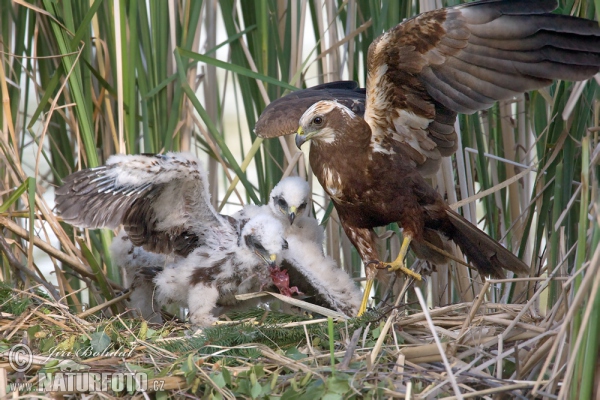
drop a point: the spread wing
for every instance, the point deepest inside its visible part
(162, 200)
(424, 71)
(465, 58)
(281, 116)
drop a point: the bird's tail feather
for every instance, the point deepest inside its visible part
(488, 256)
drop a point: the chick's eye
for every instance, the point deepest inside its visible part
(317, 120)
(285, 245)
(281, 202)
(259, 246)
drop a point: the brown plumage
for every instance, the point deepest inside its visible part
(420, 74)
(366, 195)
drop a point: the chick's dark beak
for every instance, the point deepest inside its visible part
(292, 215)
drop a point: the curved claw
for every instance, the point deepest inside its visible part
(399, 266)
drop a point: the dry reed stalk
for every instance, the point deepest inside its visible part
(438, 344)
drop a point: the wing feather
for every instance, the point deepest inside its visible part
(162, 200)
(459, 59)
(465, 58)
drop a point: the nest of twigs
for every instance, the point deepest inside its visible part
(468, 350)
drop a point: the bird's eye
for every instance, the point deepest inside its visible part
(252, 242)
(281, 202)
(285, 244)
(302, 206)
(317, 120)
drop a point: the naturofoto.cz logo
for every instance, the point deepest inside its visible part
(68, 376)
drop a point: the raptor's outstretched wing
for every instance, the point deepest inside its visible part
(464, 59)
(425, 70)
(162, 200)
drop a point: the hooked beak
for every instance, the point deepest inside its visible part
(300, 137)
(269, 260)
(292, 214)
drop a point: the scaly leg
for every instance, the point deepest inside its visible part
(365, 299)
(398, 263)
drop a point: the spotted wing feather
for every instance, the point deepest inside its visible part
(161, 200)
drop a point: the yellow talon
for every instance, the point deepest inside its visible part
(398, 263)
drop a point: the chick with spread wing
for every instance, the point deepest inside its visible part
(163, 203)
(175, 248)
(372, 159)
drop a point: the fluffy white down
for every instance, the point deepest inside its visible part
(173, 285)
(268, 231)
(295, 191)
(131, 259)
(235, 262)
(332, 282)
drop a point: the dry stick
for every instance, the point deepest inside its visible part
(491, 190)
(12, 260)
(499, 359)
(17, 324)
(350, 350)
(50, 320)
(77, 265)
(579, 297)
(446, 254)
(288, 362)
(522, 385)
(227, 395)
(439, 344)
(310, 348)
(433, 313)
(584, 323)
(103, 305)
(210, 141)
(381, 338)
(534, 358)
(466, 367)
(537, 294)
(474, 308)
(557, 310)
(149, 346)
(523, 325)
(265, 96)
(292, 164)
(511, 351)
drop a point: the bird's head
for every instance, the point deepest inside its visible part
(289, 198)
(318, 122)
(264, 236)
